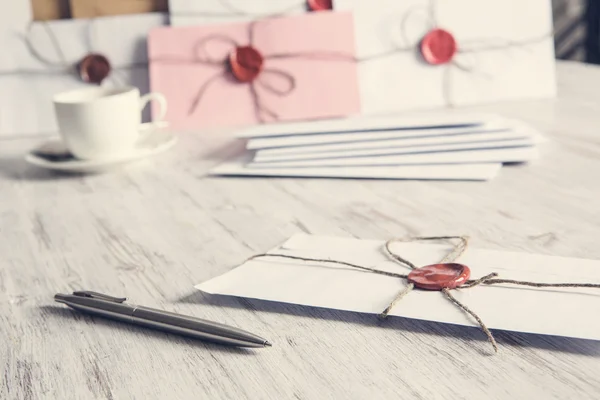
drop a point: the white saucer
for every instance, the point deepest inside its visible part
(54, 155)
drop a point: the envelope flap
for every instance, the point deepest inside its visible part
(420, 121)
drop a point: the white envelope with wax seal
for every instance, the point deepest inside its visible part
(421, 54)
(40, 59)
(560, 311)
(194, 12)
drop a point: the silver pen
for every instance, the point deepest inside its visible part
(116, 308)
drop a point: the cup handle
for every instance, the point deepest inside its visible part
(162, 101)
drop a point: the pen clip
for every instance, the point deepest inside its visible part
(100, 296)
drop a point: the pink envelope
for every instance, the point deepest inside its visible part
(308, 71)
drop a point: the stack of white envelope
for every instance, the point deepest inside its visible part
(447, 146)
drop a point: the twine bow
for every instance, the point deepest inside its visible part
(419, 274)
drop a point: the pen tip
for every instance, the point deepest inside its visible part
(267, 343)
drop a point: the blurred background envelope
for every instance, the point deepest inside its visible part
(308, 71)
(29, 82)
(495, 51)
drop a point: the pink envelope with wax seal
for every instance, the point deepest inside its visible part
(273, 69)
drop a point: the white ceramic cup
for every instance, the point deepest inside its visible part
(101, 123)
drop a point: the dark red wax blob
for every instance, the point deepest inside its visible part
(246, 63)
(438, 47)
(439, 276)
(94, 68)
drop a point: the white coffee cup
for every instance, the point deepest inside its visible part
(100, 123)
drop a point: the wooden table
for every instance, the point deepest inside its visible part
(153, 229)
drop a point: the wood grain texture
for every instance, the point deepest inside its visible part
(153, 229)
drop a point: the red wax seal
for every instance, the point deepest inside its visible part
(319, 5)
(438, 47)
(439, 276)
(246, 63)
(94, 68)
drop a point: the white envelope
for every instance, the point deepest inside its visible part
(298, 142)
(331, 143)
(471, 172)
(26, 96)
(446, 119)
(502, 155)
(194, 12)
(505, 51)
(404, 139)
(429, 148)
(554, 311)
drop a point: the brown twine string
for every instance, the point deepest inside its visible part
(466, 309)
(399, 297)
(456, 252)
(63, 66)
